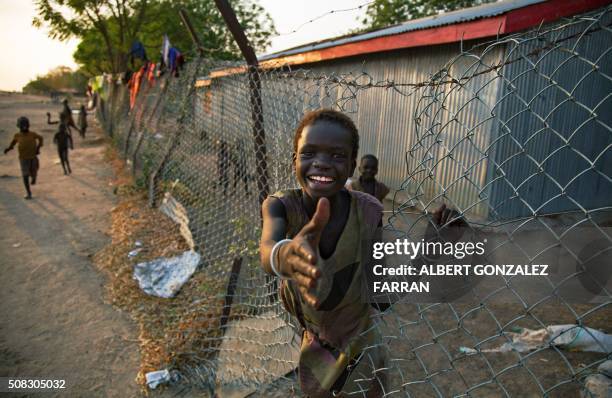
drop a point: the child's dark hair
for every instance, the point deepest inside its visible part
(22, 120)
(331, 116)
(371, 157)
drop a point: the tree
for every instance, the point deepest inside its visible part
(61, 78)
(217, 41)
(107, 28)
(382, 13)
(117, 21)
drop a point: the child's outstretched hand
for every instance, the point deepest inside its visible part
(298, 258)
(448, 226)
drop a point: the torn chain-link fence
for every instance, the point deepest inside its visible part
(515, 134)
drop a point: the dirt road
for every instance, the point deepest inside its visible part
(54, 321)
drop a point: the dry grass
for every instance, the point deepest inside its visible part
(171, 331)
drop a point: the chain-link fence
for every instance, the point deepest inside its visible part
(515, 134)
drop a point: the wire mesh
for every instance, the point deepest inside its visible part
(515, 134)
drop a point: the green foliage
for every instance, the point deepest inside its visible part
(116, 21)
(382, 13)
(90, 54)
(147, 163)
(107, 28)
(61, 78)
(217, 42)
(246, 242)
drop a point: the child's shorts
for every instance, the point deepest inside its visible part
(29, 167)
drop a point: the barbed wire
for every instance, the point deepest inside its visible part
(336, 11)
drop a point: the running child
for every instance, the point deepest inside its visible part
(63, 140)
(82, 121)
(65, 117)
(367, 182)
(312, 239)
(28, 146)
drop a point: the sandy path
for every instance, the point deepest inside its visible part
(54, 321)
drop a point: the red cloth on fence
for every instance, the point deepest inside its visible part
(134, 85)
(151, 74)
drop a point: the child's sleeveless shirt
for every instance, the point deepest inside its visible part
(336, 333)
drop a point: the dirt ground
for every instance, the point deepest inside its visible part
(55, 321)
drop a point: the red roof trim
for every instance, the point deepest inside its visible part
(510, 22)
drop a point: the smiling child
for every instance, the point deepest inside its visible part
(321, 263)
(313, 239)
(367, 182)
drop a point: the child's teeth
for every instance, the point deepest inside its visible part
(322, 179)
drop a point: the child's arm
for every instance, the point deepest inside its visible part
(447, 226)
(384, 191)
(11, 146)
(49, 119)
(295, 259)
(40, 142)
(70, 141)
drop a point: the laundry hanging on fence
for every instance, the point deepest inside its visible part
(135, 83)
(175, 61)
(137, 51)
(151, 73)
(165, 50)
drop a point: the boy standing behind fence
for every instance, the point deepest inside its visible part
(368, 168)
(28, 145)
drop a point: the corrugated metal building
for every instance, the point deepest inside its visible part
(499, 146)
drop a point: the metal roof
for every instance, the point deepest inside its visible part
(449, 18)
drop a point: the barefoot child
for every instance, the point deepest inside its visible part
(65, 117)
(312, 239)
(63, 140)
(29, 144)
(368, 168)
(326, 225)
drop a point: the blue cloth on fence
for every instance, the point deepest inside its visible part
(138, 51)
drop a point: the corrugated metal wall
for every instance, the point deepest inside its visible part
(519, 120)
(387, 127)
(547, 142)
(386, 118)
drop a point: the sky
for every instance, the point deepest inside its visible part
(28, 52)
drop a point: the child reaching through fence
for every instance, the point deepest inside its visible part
(312, 239)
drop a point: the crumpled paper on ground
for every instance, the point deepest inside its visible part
(569, 337)
(599, 385)
(164, 277)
